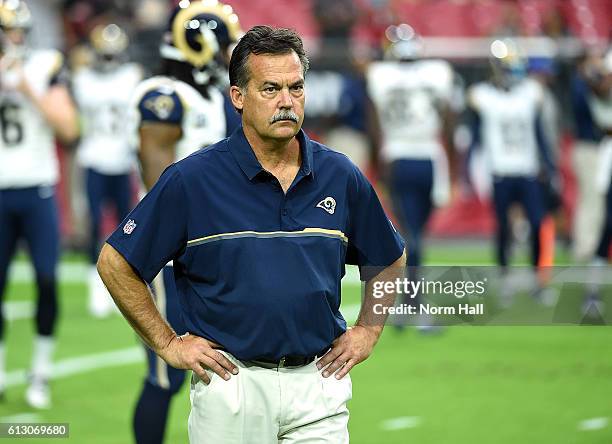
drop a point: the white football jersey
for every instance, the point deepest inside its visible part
(508, 132)
(407, 97)
(202, 120)
(601, 108)
(27, 142)
(103, 99)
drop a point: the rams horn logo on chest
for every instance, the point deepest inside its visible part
(328, 204)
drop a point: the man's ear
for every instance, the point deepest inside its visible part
(237, 97)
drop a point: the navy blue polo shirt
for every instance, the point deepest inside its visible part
(257, 270)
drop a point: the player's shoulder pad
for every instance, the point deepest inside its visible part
(379, 71)
(477, 94)
(81, 81)
(437, 72)
(378, 67)
(133, 70)
(439, 68)
(53, 63)
(378, 75)
(159, 102)
(81, 74)
(187, 93)
(534, 88)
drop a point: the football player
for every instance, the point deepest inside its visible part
(588, 214)
(413, 98)
(102, 92)
(508, 128)
(177, 113)
(35, 107)
(601, 107)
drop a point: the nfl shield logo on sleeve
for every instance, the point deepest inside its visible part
(129, 226)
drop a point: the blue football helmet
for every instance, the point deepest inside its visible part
(15, 14)
(202, 34)
(109, 43)
(15, 22)
(401, 42)
(507, 63)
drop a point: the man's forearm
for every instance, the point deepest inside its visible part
(58, 110)
(368, 317)
(133, 298)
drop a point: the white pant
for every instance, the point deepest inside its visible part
(265, 406)
(590, 204)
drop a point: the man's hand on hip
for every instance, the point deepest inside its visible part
(192, 352)
(348, 350)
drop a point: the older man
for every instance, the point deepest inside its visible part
(259, 226)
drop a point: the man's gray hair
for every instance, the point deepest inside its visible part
(263, 40)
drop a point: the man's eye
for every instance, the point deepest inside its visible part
(270, 89)
(298, 88)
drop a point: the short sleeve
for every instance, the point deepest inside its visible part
(163, 106)
(58, 74)
(440, 79)
(155, 232)
(373, 240)
(474, 96)
(538, 93)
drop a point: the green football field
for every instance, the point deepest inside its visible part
(464, 385)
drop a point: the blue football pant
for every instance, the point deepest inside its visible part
(30, 214)
(526, 191)
(101, 189)
(411, 183)
(603, 247)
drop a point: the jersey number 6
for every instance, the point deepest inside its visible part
(12, 130)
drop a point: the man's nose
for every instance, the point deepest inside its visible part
(285, 99)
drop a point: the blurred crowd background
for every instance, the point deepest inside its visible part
(562, 39)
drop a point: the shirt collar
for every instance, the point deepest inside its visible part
(244, 155)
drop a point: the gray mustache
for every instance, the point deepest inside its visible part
(285, 115)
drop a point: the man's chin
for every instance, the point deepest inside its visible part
(285, 131)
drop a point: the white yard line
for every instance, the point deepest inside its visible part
(15, 310)
(69, 272)
(83, 364)
(588, 425)
(403, 422)
(22, 417)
